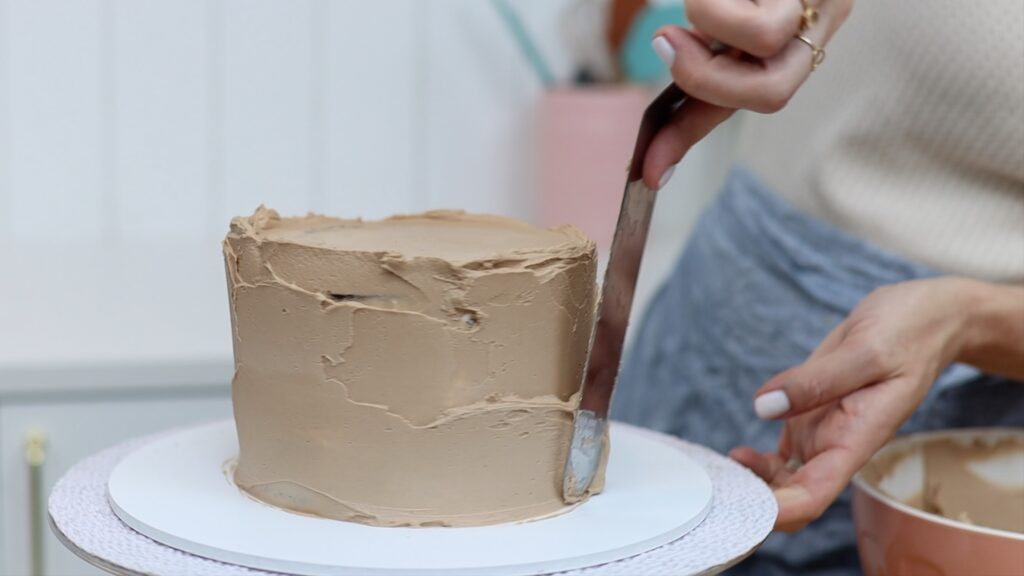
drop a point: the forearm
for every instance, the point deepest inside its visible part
(994, 328)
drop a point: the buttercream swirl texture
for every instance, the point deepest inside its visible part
(414, 371)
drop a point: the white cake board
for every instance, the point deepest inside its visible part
(742, 514)
(175, 490)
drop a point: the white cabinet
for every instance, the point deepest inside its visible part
(74, 429)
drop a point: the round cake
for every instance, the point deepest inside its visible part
(415, 371)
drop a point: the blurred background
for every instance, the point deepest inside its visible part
(132, 131)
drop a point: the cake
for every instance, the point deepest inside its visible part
(414, 371)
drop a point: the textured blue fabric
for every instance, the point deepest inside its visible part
(759, 285)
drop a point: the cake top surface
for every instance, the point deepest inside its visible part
(450, 235)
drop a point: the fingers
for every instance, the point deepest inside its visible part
(734, 82)
(802, 495)
(832, 341)
(835, 447)
(805, 493)
(767, 63)
(763, 28)
(809, 491)
(725, 81)
(822, 380)
(760, 28)
(769, 467)
(690, 123)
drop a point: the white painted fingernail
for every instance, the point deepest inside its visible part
(664, 50)
(666, 176)
(771, 405)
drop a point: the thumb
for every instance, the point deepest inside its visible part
(819, 381)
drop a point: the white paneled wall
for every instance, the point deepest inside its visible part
(162, 110)
(269, 126)
(56, 131)
(126, 120)
(133, 130)
(375, 106)
(474, 153)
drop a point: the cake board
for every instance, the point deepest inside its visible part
(741, 516)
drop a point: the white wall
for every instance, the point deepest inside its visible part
(161, 119)
(131, 131)
(136, 122)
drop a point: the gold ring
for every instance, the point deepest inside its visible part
(809, 15)
(817, 54)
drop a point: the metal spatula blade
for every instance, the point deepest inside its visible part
(591, 418)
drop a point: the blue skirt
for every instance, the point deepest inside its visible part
(758, 287)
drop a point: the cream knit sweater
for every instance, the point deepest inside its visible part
(911, 134)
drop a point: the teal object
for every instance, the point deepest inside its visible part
(638, 61)
(533, 56)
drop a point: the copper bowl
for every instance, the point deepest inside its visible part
(895, 538)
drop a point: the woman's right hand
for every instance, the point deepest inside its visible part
(762, 69)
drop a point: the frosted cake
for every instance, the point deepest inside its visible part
(415, 371)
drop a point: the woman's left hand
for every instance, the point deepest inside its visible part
(854, 392)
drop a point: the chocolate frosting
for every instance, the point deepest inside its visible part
(415, 371)
(977, 481)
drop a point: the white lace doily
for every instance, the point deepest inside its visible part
(741, 517)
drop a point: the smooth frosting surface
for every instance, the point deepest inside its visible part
(415, 371)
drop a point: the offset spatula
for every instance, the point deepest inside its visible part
(591, 421)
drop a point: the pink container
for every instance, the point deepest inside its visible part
(895, 539)
(586, 138)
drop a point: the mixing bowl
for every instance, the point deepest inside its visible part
(897, 538)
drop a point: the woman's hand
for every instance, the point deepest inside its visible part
(764, 67)
(865, 379)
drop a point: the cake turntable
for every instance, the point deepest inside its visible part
(164, 505)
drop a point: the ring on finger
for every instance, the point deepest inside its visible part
(817, 53)
(794, 464)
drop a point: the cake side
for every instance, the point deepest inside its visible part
(432, 385)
